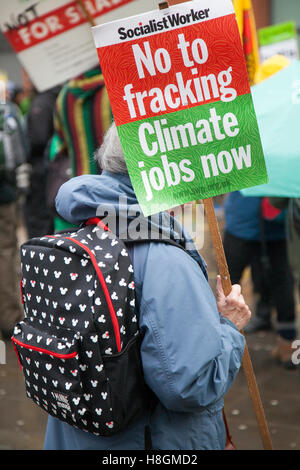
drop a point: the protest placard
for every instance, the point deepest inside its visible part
(181, 99)
(52, 38)
(279, 39)
(179, 91)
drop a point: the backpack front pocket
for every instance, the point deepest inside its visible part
(50, 362)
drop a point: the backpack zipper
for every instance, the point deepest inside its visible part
(44, 351)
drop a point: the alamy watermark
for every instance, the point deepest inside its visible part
(296, 92)
(184, 222)
(2, 352)
(296, 354)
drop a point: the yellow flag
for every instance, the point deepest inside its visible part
(246, 22)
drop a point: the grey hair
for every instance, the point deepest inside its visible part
(110, 155)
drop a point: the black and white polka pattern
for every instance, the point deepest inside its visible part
(80, 329)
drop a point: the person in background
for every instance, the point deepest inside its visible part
(190, 351)
(39, 220)
(255, 232)
(293, 237)
(251, 237)
(292, 207)
(13, 152)
(81, 118)
(22, 95)
(23, 101)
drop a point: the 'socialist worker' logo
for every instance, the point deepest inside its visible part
(168, 21)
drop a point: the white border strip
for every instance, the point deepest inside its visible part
(108, 35)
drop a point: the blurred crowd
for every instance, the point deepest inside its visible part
(49, 137)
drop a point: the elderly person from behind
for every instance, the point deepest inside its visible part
(192, 347)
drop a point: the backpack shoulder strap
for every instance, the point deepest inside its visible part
(167, 241)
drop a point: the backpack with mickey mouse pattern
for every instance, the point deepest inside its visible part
(79, 342)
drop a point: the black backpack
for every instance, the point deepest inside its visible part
(79, 342)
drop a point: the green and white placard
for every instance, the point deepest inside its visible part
(180, 95)
(279, 39)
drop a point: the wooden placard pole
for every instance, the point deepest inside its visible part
(247, 363)
(86, 12)
(226, 284)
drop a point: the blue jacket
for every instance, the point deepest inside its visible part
(190, 354)
(242, 219)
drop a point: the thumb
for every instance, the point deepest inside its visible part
(219, 288)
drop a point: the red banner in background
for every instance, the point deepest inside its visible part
(100, 7)
(58, 21)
